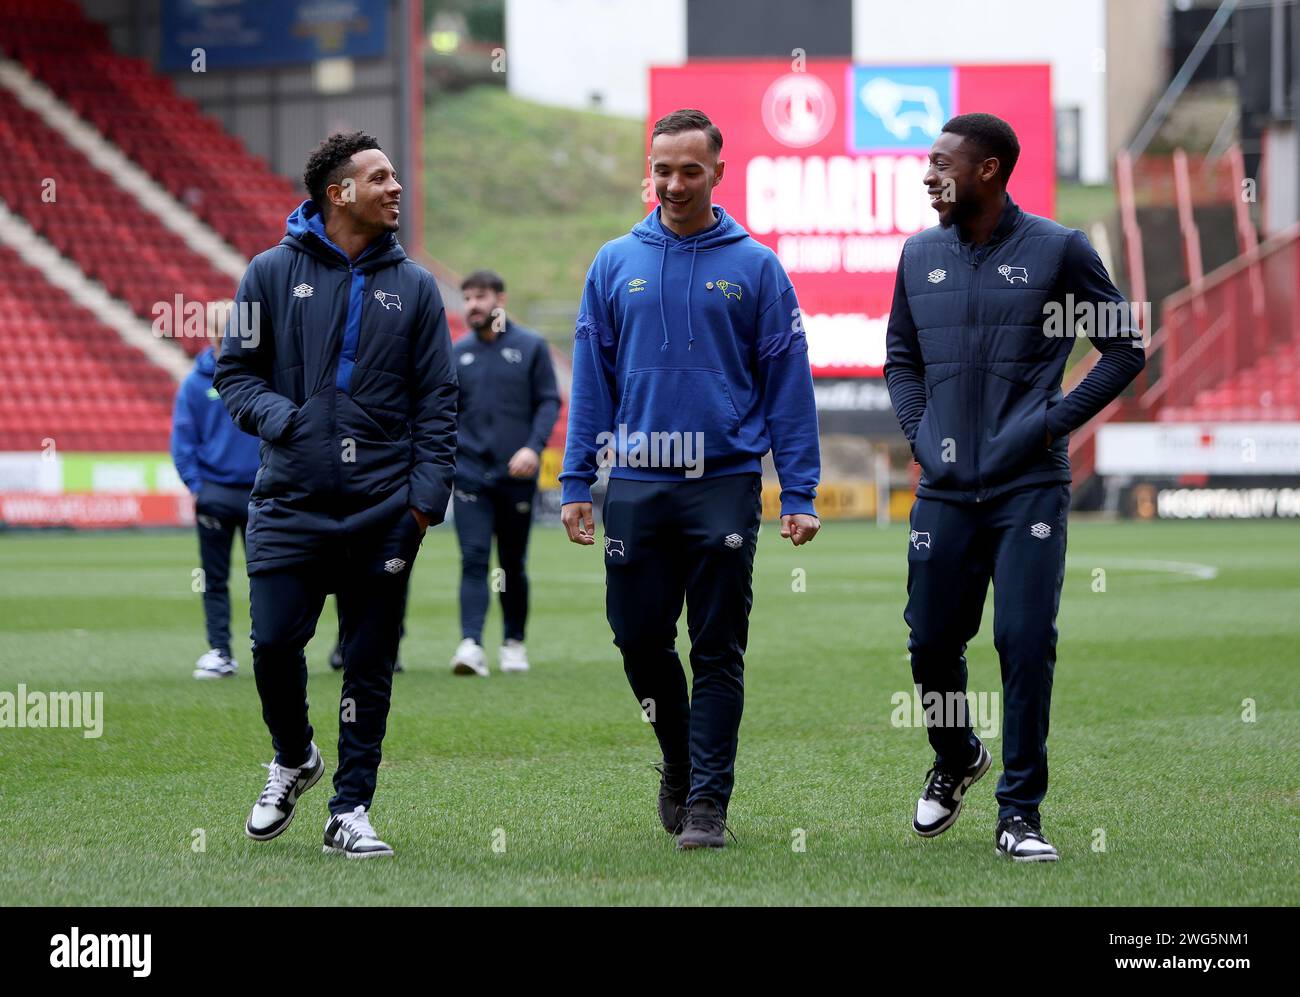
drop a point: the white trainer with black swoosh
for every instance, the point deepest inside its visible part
(274, 809)
(945, 792)
(1021, 840)
(350, 834)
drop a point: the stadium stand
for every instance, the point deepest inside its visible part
(98, 225)
(64, 375)
(205, 168)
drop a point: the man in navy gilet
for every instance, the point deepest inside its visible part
(975, 353)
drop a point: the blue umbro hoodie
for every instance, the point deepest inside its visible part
(206, 444)
(680, 340)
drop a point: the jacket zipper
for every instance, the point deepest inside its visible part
(334, 398)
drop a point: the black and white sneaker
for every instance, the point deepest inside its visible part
(274, 809)
(1022, 840)
(940, 803)
(350, 834)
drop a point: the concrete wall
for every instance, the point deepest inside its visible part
(586, 54)
(1137, 66)
(1070, 36)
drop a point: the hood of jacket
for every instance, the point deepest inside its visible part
(206, 362)
(305, 231)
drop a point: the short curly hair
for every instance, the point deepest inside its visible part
(329, 161)
(992, 138)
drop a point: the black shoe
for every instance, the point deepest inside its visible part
(674, 784)
(1021, 840)
(397, 666)
(945, 792)
(705, 826)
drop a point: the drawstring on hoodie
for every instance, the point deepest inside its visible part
(690, 280)
(663, 316)
(690, 332)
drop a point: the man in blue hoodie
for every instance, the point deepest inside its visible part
(217, 462)
(689, 365)
(974, 364)
(341, 363)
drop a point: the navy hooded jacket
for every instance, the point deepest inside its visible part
(508, 400)
(206, 445)
(345, 373)
(678, 336)
(974, 360)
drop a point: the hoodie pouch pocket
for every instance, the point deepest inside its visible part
(675, 418)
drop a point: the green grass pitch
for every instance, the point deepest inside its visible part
(538, 788)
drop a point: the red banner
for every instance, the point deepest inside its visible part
(824, 165)
(95, 511)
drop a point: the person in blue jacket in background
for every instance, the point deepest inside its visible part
(689, 364)
(217, 462)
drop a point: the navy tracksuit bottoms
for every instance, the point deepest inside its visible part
(666, 541)
(219, 512)
(482, 509)
(1017, 541)
(369, 571)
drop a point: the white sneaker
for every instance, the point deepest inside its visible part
(274, 809)
(469, 659)
(513, 657)
(350, 834)
(1022, 841)
(215, 665)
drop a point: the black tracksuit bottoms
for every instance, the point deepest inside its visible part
(369, 571)
(1016, 540)
(666, 541)
(220, 512)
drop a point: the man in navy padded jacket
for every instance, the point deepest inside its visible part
(338, 358)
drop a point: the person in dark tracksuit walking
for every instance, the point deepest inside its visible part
(338, 357)
(689, 364)
(508, 405)
(975, 352)
(217, 462)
